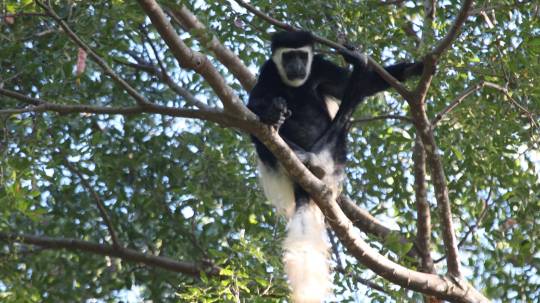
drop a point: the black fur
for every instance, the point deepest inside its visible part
(291, 39)
(301, 114)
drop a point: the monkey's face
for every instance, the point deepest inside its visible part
(293, 64)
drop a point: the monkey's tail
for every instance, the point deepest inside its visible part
(306, 255)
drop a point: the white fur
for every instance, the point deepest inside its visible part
(306, 251)
(332, 105)
(306, 256)
(334, 176)
(278, 188)
(277, 57)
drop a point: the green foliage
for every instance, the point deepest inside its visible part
(188, 189)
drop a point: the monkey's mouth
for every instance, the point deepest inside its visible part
(296, 75)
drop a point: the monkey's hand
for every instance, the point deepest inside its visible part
(414, 69)
(277, 113)
(353, 57)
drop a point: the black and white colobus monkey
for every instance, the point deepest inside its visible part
(299, 93)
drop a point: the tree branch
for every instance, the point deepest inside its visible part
(164, 76)
(480, 85)
(368, 224)
(190, 22)
(40, 105)
(454, 289)
(188, 58)
(126, 254)
(505, 91)
(431, 58)
(141, 100)
(341, 269)
(457, 101)
(382, 117)
(423, 220)
(101, 207)
(425, 130)
(445, 43)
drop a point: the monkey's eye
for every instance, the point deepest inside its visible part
(303, 55)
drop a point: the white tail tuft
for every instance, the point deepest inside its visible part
(306, 255)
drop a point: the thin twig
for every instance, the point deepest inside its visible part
(126, 254)
(141, 100)
(382, 117)
(165, 77)
(474, 227)
(457, 101)
(514, 102)
(341, 269)
(335, 249)
(101, 207)
(24, 14)
(480, 85)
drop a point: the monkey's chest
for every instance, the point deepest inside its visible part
(308, 121)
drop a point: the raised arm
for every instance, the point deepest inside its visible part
(330, 78)
(333, 79)
(373, 83)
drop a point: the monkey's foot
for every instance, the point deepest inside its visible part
(314, 164)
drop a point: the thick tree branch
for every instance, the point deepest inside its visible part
(100, 206)
(126, 254)
(423, 220)
(425, 130)
(362, 219)
(141, 100)
(423, 213)
(398, 86)
(368, 224)
(188, 58)
(190, 22)
(450, 289)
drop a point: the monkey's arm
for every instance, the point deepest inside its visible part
(330, 78)
(264, 101)
(371, 82)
